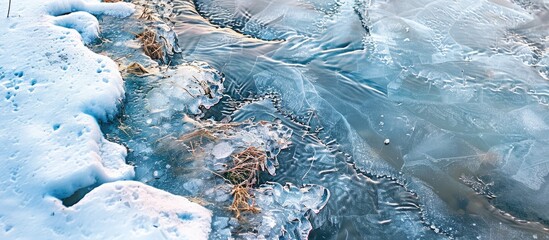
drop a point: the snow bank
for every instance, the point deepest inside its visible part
(83, 22)
(53, 90)
(173, 217)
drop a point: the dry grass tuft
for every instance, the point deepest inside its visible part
(197, 133)
(136, 69)
(244, 175)
(148, 15)
(246, 166)
(151, 46)
(243, 201)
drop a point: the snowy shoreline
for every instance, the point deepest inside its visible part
(105, 131)
(55, 90)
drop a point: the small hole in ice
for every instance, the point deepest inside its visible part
(185, 216)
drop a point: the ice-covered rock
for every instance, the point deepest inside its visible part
(187, 88)
(222, 150)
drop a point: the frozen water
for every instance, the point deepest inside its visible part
(173, 149)
(452, 84)
(458, 87)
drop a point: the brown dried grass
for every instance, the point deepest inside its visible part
(243, 201)
(197, 133)
(136, 69)
(244, 175)
(151, 46)
(148, 14)
(246, 166)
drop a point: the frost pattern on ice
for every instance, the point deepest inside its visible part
(447, 81)
(460, 87)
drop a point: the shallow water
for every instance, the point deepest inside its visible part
(458, 87)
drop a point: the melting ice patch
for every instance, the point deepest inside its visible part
(173, 148)
(285, 211)
(286, 204)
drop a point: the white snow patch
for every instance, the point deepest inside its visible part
(83, 22)
(52, 92)
(119, 9)
(161, 214)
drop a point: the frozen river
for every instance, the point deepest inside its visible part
(424, 119)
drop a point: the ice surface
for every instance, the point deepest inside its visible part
(270, 20)
(459, 87)
(222, 150)
(54, 91)
(174, 149)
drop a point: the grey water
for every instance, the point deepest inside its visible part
(458, 88)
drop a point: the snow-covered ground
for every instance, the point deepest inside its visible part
(54, 91)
